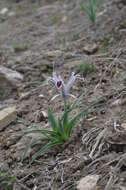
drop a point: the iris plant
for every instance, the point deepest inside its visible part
(61, 128)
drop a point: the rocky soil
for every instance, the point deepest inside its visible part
(37, 36)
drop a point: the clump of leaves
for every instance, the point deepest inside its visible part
(18, 47)
(90, 9)
(60, 132)
(6, 180)
(86, 68)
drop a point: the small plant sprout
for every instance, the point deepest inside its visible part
(90, 10)
(19, 47)
(61, 127)
(86, 68)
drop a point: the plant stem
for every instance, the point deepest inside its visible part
(64, 99)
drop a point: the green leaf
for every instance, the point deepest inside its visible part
(85, 8)
(52, 121)
(33, 142)
(49, 135)
(41, 131)
(43, 150)
(72, 123)
(60, 124)
(90, 10)
(65, 119)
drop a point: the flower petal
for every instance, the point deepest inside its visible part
(59, 84)
(58, 81)
(69, 83)
(55, 78)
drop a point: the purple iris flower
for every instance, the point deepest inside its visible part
(62, 88)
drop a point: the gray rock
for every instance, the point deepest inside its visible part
(7, 115)
(90, 48)
(9, 80)
(11, 75)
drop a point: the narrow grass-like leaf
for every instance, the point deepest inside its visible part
(60, 125)
(65, 118)
(52, 121)
(33, 142)
(49, 135)
(90, 10)
(42, 131)
(72, 123)
(43, 150)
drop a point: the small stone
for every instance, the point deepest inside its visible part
(90, 48)
(41, 96)
(18, 158)
(24, 95)
(4, 11)
(123, 125)
(45, 115)
(53, 54)
(7, 116)
(88, 183)
(101, 13)
(64, 19)
(116, 103)
(40, 116)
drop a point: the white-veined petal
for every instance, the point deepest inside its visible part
(69, 83)
(55, 78)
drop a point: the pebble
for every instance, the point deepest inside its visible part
(4, 11)
(88, 183)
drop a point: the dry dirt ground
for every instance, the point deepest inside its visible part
(59, 33)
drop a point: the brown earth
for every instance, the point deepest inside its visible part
(60, 33)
